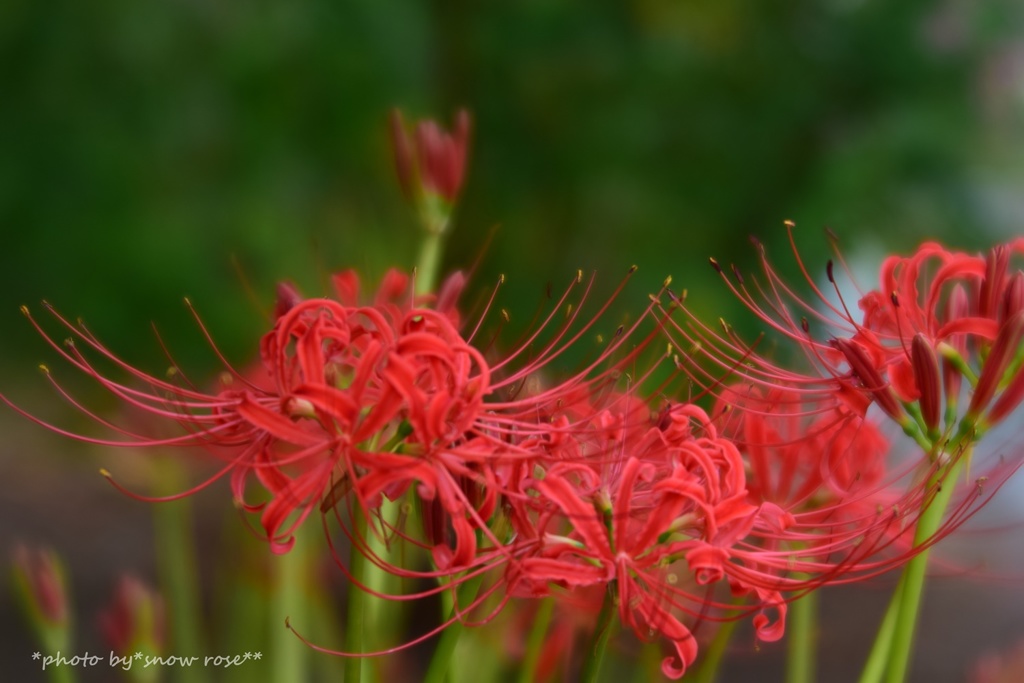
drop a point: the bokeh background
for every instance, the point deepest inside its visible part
(153, 150)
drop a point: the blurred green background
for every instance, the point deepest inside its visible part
(152, 150)
(144, 145)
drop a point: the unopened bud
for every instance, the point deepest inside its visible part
(39, 578)
(956, 309)
(135, 618)
(1003, 353)
(1013, 298)
(1008, 399)
(870, 377)
(997, 262)
(926, 373)
(288, 297)
(41, 587)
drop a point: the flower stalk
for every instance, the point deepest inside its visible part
(593, 655)
(802, 632)
(176, 563)
(943, 481)
(535, 642)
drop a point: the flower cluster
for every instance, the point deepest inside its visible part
(550, 486)
(943, 329)
(398, 421)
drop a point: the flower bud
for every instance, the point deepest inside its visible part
(956, 308)
(997, 262)
(288, 297)
(1008, 399)
(870, 377)
(431, 165)
(1003, 353)
(41, 586)
(39, 578)
(926, 374)
(134, 620)
(1013, 297)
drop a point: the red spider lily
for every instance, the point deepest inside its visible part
(672, 500)
(800, 458)
(943, 304)
(936, 319)
(474, 480)
(937, 314)
(475, 491)
(359, 378)
(368, 399)
(827, 474)
(332, 377)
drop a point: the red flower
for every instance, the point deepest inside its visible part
(934, 319)
(657, 521)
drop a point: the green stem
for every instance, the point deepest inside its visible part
(594, 653)
(879, 655)
(55, 639)
(288, 657)
(711, 658)
(61, 674)
(177, 567)
(355, 623)
(377, 579)
(802, 623)
(535, 643)
(438, 669)
(429, 262)
(928, 524)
